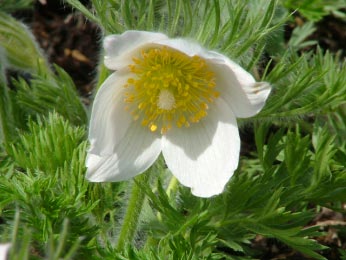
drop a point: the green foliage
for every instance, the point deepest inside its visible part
(315, 10)
(6, 115)
(42, 140)
(299, 36)
(295, 166)
(20, 249)
(239, 28)
(10, 6)
(15, 36)
(310, 83)
(46, 92)
(278, 189)
(49, 188)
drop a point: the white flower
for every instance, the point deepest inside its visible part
(170, 96)
(4, 248)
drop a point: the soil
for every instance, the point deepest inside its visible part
(74, 43)
(330, 33)
(68, 40)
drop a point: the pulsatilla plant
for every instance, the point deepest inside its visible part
(210, 134)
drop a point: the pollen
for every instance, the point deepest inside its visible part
(169, 89)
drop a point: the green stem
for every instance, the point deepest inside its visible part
(134, 208)
(172, 186)
(6, 119)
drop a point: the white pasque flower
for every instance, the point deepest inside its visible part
(4, 248)
(170, 96)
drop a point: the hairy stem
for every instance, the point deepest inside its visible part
(134, 208)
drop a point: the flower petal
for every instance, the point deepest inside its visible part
(136, 152)
(120, 49)
(243, 94)
(205, 155)
(188, 47)
(4, 248)
(109, 121)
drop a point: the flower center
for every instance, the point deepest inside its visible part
(168, 89)
(166, 100)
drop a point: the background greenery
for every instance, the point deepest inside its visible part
(292, 167)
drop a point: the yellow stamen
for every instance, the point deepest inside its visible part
(168, 89)
(153, 128)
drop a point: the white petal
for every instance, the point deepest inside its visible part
(109, 120)
(185, 46)
(120, 49)
(205, 155)
(136, 152)
(4, 248)
(243, 94)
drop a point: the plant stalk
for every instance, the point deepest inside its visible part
(6, 119)
(132, 215)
